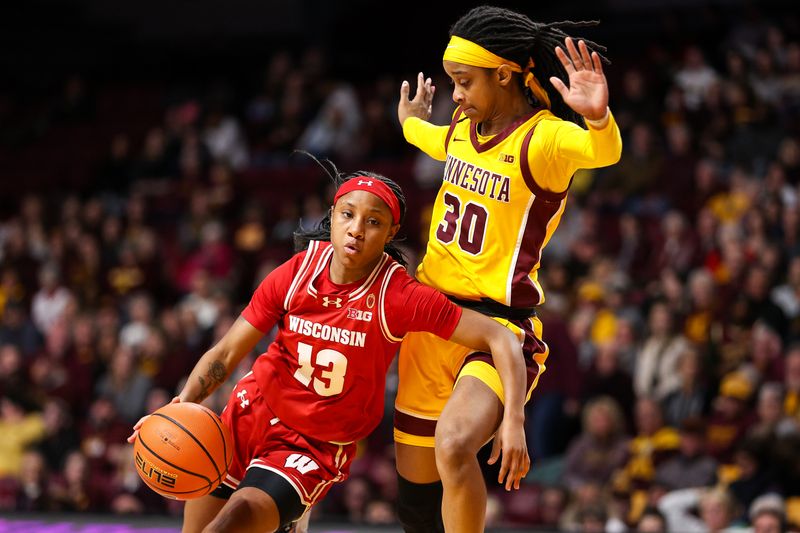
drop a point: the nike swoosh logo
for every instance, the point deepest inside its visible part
(456, 139)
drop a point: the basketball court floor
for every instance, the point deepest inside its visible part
(77, 523)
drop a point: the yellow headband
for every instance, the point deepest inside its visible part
(468, 53)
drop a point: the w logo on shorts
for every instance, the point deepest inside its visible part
(301, 463)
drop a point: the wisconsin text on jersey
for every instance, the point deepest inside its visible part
(326, 332)
(477, 179)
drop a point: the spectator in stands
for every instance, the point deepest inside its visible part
(791, 382)
(652, 521)
(33, 493)
(79, 488)
(771, 421)
(731, 417)
(695, 77)
(767, 514)
(692, 466)
(125, 385)
(691, 399)
(656, 371)
(19, 428)
(717, 510)
(60, 434)
(600, 449)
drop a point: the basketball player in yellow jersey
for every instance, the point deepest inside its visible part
(532, 108)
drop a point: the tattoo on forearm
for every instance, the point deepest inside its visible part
(215, 376)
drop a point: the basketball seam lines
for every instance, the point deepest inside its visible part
(221, 436)
(219, 474)
(149, 449)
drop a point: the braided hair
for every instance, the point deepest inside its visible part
(302, 237)
(517, 38)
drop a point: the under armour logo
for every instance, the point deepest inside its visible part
(245, 401)
(331, 301)
(368, 183)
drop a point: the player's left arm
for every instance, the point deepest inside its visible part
(479, 332)
(567, 144)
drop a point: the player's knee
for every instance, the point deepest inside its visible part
(419, 506)
(453, 447)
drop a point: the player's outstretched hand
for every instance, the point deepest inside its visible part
(510, 441)
(138, 425)
(587, 93)
(421, 105)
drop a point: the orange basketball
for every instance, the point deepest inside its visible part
(183, 451)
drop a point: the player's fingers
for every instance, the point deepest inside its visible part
(505, 474)
(176, 399)
(133, 436)
(404, 91)
(496, 445)
(574, 55)
(596, 63)
(565, 61)
(420, 86)
(560, 87)
(585, 56)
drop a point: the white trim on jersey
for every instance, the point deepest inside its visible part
(305, 499)
(362, 290)
(354, 294)
(322, 262)
(312, 248)
(381, 311)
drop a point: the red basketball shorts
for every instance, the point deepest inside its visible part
(261, 440)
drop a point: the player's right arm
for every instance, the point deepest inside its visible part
(413, 115)
(260, 315)
(216, 364)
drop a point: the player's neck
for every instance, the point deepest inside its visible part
(505, 116)
(342, 274)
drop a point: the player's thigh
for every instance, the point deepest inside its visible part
(471, 416)
(427, 368)
(249, 510)
(198, 513)
(416, 463)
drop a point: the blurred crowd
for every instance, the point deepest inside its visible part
(671, 400)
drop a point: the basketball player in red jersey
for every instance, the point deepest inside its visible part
(342, 306)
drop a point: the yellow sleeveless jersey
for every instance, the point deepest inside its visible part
(501, 199)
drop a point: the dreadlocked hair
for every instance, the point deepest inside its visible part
(302, 237)
(516, 37)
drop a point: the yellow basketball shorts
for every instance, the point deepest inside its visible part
(429, 368)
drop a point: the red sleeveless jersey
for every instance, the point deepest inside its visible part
(324, 375)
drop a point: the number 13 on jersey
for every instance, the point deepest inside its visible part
(332, 365)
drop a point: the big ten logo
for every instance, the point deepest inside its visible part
(358, 314)
(301, 463)
(161, 477)
(506, 158)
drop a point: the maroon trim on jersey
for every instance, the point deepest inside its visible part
(534, 187)
(523, 291)
(421, 427)
(500, 137)
(453, 123)
(530, 348)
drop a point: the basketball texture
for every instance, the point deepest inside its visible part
(183, 451)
